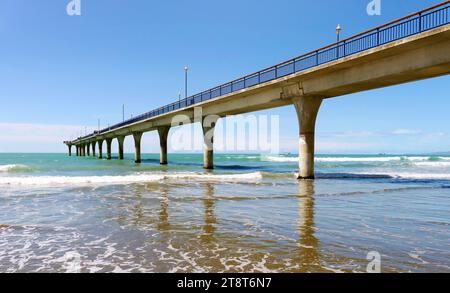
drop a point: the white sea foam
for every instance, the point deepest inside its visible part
(138, 178)
(334, 159)
(355, 159)
(406, 175)
(279, 159)
(434, 164)
(350, 159)
(12, 167)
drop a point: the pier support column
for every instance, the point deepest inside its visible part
(208, 126)
(307, 109)
(83, 150)
(100, 149)
(137, 147)
(108, 148)
(78, 150)
(93, 148)
(120, 140)
(70, 150)
(163, 133)
(88, 149)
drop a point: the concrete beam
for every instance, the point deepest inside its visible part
(93, 148)
(137, 147)
(208, 126)
(100, 149)
(108, 148)
(307, 109)
(120, 140)
(163, 133)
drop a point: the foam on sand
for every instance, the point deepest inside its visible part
(127, 179)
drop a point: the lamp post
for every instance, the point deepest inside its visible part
(123, 112)
(338, 35)
(186, 69)
(338, 32)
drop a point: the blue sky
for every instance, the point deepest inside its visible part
(59, 74)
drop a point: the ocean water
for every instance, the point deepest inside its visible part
(251, 214)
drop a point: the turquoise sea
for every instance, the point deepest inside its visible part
(251, 214)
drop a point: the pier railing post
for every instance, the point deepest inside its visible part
(137, 147)
(163, 133)
(307, 109)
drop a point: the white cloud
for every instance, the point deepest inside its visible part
(405, 131)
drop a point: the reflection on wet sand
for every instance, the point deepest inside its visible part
(164, 224)
(308, 254)
(209, 227)
(224, 251)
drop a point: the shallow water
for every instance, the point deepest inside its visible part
(249, 215)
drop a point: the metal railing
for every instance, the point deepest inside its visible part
(427, 19)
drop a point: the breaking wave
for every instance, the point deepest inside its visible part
(14, 168)
(352, 159)
(128, 179)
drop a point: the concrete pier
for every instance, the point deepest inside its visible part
(120, 140)
(163, 133)
(137, 136)
(307, 109)
(100, 149)
(78, 150)
(70, 150)
(108, 148)
(304, 81)
(88, 149)
(93, 148)
(208, 126)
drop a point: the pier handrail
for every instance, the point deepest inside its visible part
(429, 18)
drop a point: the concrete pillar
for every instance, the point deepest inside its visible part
(88, 149)
(78, 150)
(82, 150)
(137, 147)
(108, 148)
(208, 126)
(93, 148)
(163, 133)
(70, 150)
(120, 139)
(100, 149)
(307, 109)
